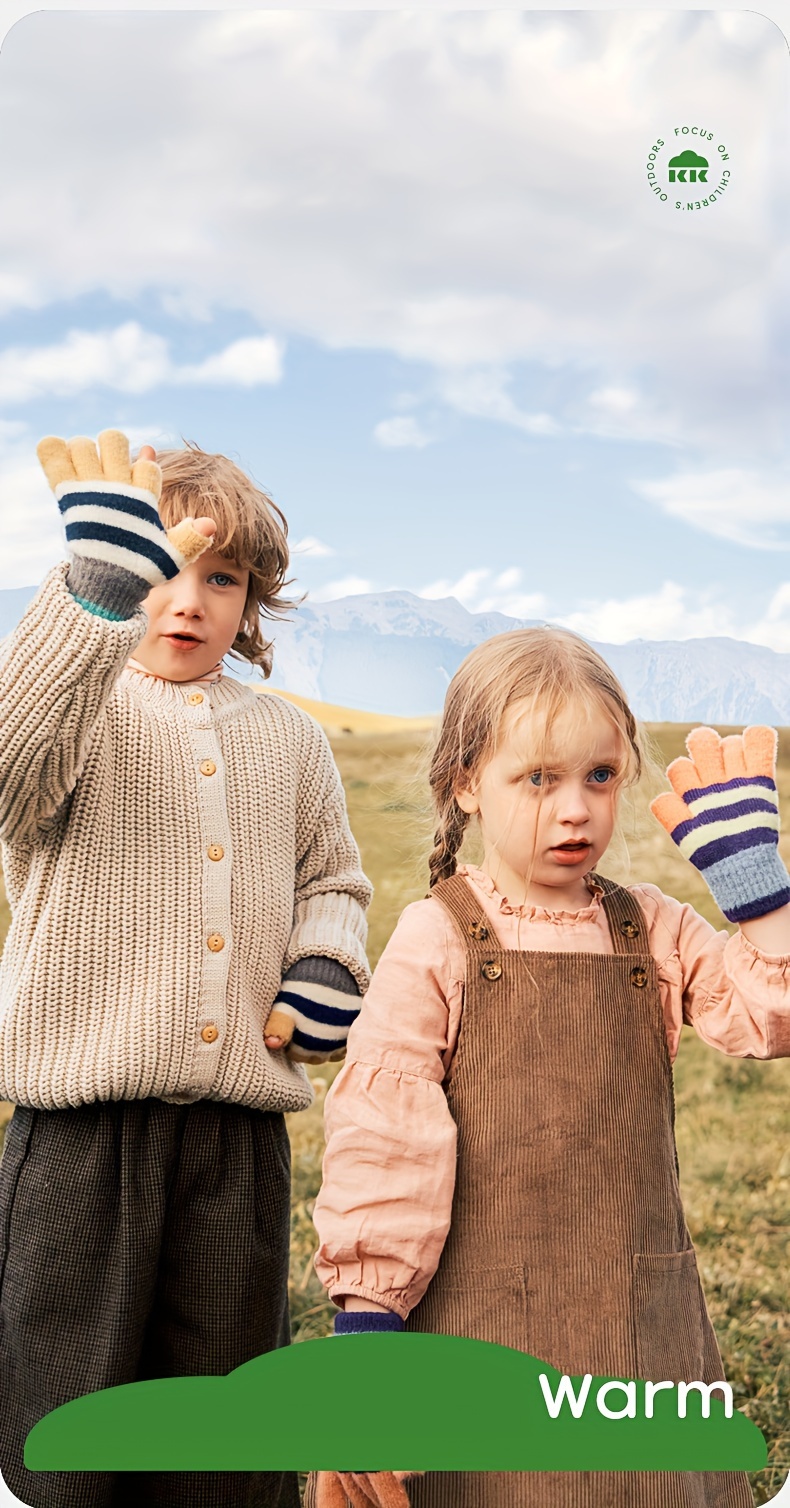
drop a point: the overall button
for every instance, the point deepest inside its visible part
(490, 970)
(478, 930)
(208, 767)
(195, 698)
(216, 942)
(629, 929)
(216, 851)
(639, 978)
(209, 1033)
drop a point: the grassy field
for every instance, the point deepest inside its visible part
(733, 1115)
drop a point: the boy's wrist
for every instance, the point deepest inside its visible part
(107, 590)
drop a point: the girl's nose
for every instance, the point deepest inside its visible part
(573, 807)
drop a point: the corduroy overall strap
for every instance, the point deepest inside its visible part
(624, 914)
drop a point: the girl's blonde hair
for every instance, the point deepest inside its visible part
(548, 669)
(250, 530)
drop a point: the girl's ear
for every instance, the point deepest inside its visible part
(467, 800)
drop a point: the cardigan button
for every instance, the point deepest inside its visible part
(195, 698)
(216, 942)
(208, 767)
(210, 1032)
(629, 929)
(478, 930)
(639, 978)
(216, 851)
(490, 969)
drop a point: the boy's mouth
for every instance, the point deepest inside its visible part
(182, 640)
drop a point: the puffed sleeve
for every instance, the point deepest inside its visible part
(383, 1211)
(736, 997)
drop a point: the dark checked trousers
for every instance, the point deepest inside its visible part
(138, 1240)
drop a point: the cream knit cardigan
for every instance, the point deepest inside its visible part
(169, 851)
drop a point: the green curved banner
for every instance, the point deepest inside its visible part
(433, 1402)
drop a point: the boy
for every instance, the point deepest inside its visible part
(176, 849)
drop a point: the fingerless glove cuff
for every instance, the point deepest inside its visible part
(750, 883)
(366, 1322)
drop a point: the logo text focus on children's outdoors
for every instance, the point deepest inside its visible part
(690, 170)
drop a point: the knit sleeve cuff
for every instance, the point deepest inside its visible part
(366, 1322)
(107, 591)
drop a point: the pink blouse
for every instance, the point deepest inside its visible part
(383, 1211)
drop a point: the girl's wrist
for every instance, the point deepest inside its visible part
(354, 1304)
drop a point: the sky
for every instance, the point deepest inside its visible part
(408, 270)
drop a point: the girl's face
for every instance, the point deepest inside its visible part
(543, 831)
(193, 619)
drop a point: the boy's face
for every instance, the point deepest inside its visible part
(193, 619)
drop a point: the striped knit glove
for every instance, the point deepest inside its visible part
(723, 814)
(316, 1005)
(118, 547)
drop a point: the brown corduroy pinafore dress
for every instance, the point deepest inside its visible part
(568, 1238)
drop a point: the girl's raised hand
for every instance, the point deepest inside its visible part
(723, 814)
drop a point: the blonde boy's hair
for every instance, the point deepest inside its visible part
(546, 669)
(250, 530)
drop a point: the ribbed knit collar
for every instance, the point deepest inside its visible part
(198, 680)
(223, 694)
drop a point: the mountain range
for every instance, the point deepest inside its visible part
(394, 652)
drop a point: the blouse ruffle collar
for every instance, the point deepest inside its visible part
(534, 913)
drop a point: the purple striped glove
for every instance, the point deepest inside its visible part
(723, 813)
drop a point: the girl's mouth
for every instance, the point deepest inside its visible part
(572, 852)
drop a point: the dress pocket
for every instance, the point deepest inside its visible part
(670, 1318)
(483, 1304)
(15, 1150)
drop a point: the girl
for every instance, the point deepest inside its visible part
(501, 1159)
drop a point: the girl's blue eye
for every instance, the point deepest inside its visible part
(602, 775)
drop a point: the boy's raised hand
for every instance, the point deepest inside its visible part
(723, 814)
(114, 534)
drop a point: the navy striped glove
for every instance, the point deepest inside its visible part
(317, 1003)
(723, 813)
(118, 546)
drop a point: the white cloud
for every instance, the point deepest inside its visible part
(467, 189)
(130, 360)
(673, 612)
(745, 507)
(29, 517)
(311, 546)
(347, 586)
(483, 394)
(401, 433)
(485, 591)
(244, 363)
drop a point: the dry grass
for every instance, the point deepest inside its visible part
(733, 1115)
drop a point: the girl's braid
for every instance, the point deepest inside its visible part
(447, 840)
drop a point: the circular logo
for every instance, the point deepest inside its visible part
(690, 170)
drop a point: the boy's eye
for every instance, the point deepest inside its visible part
(222, 577)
